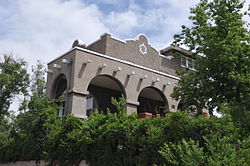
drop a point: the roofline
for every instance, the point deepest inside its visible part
(117, 60)
(61, 55)
(177, 48)
(125, 40)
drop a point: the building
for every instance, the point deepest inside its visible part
(88, 76)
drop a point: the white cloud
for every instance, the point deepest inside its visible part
(42, 30)
(122, 22)
(180, 4)
(37, 29)
(160, 20)
(110, 2)
(245, 8)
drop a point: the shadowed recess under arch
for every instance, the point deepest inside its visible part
(101, 89)
(60, 86)
(152, 100)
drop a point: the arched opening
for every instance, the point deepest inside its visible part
(60, 87)
(153, 101)
(101, 89)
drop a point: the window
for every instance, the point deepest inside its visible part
(90, 101)
(187, 62)
(183, 61)
(190, 63)
(90, 105)
(61, 111)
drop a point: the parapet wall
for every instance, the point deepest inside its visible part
(138, 51)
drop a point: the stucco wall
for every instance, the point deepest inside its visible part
(99, 45)
(66, 69)
(135, 55)
(132, 85)
(79, 75)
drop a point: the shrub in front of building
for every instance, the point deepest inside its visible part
(121, 139)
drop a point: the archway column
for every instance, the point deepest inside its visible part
(131, 107)
(77, 104)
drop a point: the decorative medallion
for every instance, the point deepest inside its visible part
(143, 49)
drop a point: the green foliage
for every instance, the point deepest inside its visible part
(30, 128)
(14, 80)
(121, 139)
(119, 104)
(4, 131)
(220, 42)
(221, 151)
(110, 137)
(38, 80)
(66, 144)
(244, 150)
(216, 151)
(183, 153)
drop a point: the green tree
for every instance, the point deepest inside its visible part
(14, 80)
(220, 42)
(32, 126)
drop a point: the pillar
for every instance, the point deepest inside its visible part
(76, 105)
(131, 107)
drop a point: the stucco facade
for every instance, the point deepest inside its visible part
(89, 75)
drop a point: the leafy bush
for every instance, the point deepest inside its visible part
(183, 153)
(121, 139)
